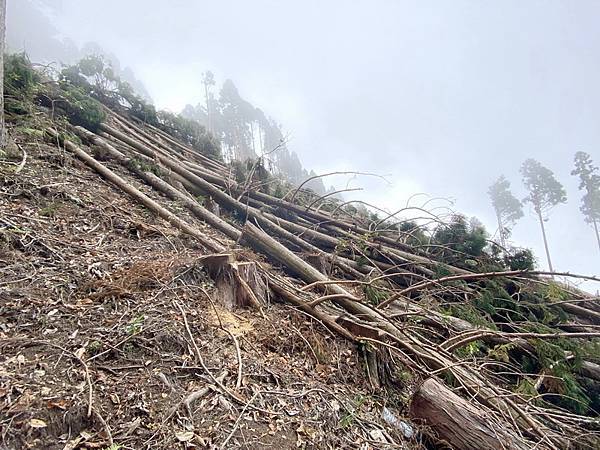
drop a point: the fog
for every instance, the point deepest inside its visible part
(439, 97)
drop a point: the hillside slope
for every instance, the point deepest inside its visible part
(151, 300)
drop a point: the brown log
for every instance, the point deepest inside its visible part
(463, 425)
(139, 196)
(223, 198)
(198, 210)
(162, 186)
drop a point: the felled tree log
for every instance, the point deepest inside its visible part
(172, 142)
(463, 425)
(223, 198)
(109, 175)
(198, 210)
(161, 185)
(473, 381)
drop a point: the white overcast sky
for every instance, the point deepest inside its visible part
(441, 97)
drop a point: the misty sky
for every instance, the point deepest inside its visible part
(441, 97)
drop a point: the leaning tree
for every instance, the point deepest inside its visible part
(545, 192)
(589, 181)
(507, 207)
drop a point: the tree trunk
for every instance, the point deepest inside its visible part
(109, 175)
(460, 423)
(595, 222)
(539, 213)
(208, 122)
(3, 137)
(501, 230)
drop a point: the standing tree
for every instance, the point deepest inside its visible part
(208, 79)
(590, 181)
(545, 192)
(507, 207)
(2, 40)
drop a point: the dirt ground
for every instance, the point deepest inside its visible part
(112, 336)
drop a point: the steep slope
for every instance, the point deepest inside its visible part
(93, 293)
(150, 300)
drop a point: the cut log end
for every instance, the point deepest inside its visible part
(238, 284)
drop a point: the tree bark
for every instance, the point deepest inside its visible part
(500, 229)
(539, 213)
(595, 222)
(109, 175)
(460, 423)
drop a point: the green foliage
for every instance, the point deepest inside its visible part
(507, 207)
(527, 389)
(81, 109)
(350, 415)
(571, 395)
(471, 349)
(189, 132)
(460, 241)
(144, 166)
(469, 313)
(374, 295)
(520, 259)
(545, 191)
(412, 233)
(135, 325)
(114, 447)
(20, 78)
(589, 181)
(50, 210)
(500, 352)
(93, 78)
(94, 347)
(21, 82)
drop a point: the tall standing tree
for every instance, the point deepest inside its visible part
(3, 137)
(208, 80)
(545, 192)
(508, 208)
(589, 181)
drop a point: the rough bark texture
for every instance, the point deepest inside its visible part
(456, 421)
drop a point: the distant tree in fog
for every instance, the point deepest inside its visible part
(545, 192)
(507, 207)
(589, 181)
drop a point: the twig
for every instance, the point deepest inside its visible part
(474, 276)
(237, 422)
(23, 161)
(333, 173)
(201, 360)
(238, 383)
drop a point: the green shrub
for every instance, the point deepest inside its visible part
(20, 78)
(460, 241)
(81, 109)
(521, 259)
